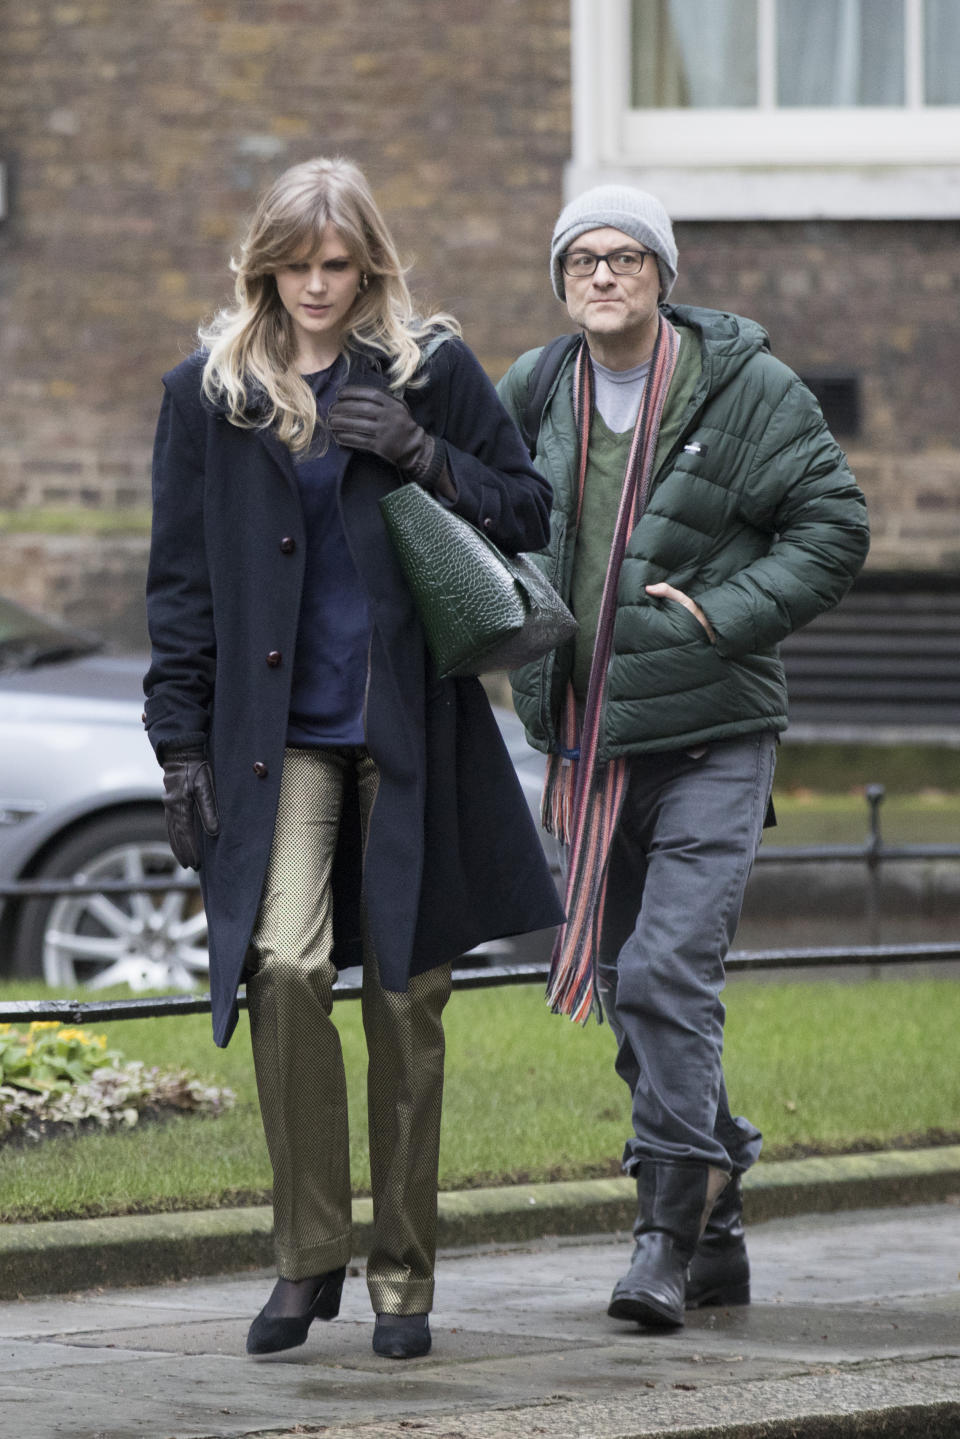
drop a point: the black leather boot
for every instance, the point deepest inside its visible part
(674, 1201)
(719, 1271)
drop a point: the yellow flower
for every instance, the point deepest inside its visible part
(44, 1024)
(82, 1036)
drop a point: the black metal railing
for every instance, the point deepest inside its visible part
(872, 852)
(72, 1011)
(53, 887)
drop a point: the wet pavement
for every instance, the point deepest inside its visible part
(854, 1330)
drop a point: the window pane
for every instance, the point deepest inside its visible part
(942, 45)
(694, 53)
(840, 52)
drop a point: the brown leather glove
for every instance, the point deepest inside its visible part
(365, 418)
(188, 793)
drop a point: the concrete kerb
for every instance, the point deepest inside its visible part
(62, 1256)
(936, 1419)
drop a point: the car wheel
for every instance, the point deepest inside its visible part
(148, 940)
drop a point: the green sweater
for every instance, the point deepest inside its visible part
(606, 468)
(753, 512)
(606, 463)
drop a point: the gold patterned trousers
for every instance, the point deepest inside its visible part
(299, 1062)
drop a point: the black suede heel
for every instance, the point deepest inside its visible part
(401, 1336)
(270, 1333)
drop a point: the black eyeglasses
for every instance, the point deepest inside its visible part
(581, 264)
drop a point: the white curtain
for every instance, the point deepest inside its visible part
(694, 53)
(703, 53)
(717, 46)
(840, 52)
(942, 45)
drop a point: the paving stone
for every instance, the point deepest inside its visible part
(855, 1331)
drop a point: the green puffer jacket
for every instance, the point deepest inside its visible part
(763, 525)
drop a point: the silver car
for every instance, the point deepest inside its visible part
(80, 798)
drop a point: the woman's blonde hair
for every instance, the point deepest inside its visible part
(252, 346)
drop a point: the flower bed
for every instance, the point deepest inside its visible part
(55, 1078)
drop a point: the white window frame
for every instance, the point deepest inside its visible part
(759, 162)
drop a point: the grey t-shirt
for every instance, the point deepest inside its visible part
(617, 394)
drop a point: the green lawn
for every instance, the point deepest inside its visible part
(821, 1067)
(812, 817)
(837, 768)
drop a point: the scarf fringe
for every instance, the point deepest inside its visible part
(556, 806)
(560, 782)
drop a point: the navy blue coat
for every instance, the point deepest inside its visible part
(453, 856)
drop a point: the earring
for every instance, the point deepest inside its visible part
(364, 282)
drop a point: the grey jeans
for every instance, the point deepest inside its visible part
(685, 843)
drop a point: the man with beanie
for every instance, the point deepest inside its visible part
(702, 512)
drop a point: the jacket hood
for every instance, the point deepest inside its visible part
(727, 341)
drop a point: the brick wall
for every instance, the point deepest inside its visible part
(93, 582)
(880, 299)
(877, 300)
(137, 137)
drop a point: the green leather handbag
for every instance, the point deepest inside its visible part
(481, 610)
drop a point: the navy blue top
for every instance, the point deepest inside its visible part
(333, 633)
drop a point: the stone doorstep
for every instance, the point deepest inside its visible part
(65, 1255)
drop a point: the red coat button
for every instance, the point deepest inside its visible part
(260, 769)
(274, 658)
(288, 545)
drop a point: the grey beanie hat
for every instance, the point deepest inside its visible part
(637, 214)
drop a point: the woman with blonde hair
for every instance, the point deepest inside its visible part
(342, 802)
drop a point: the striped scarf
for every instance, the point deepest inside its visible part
(581, 798)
